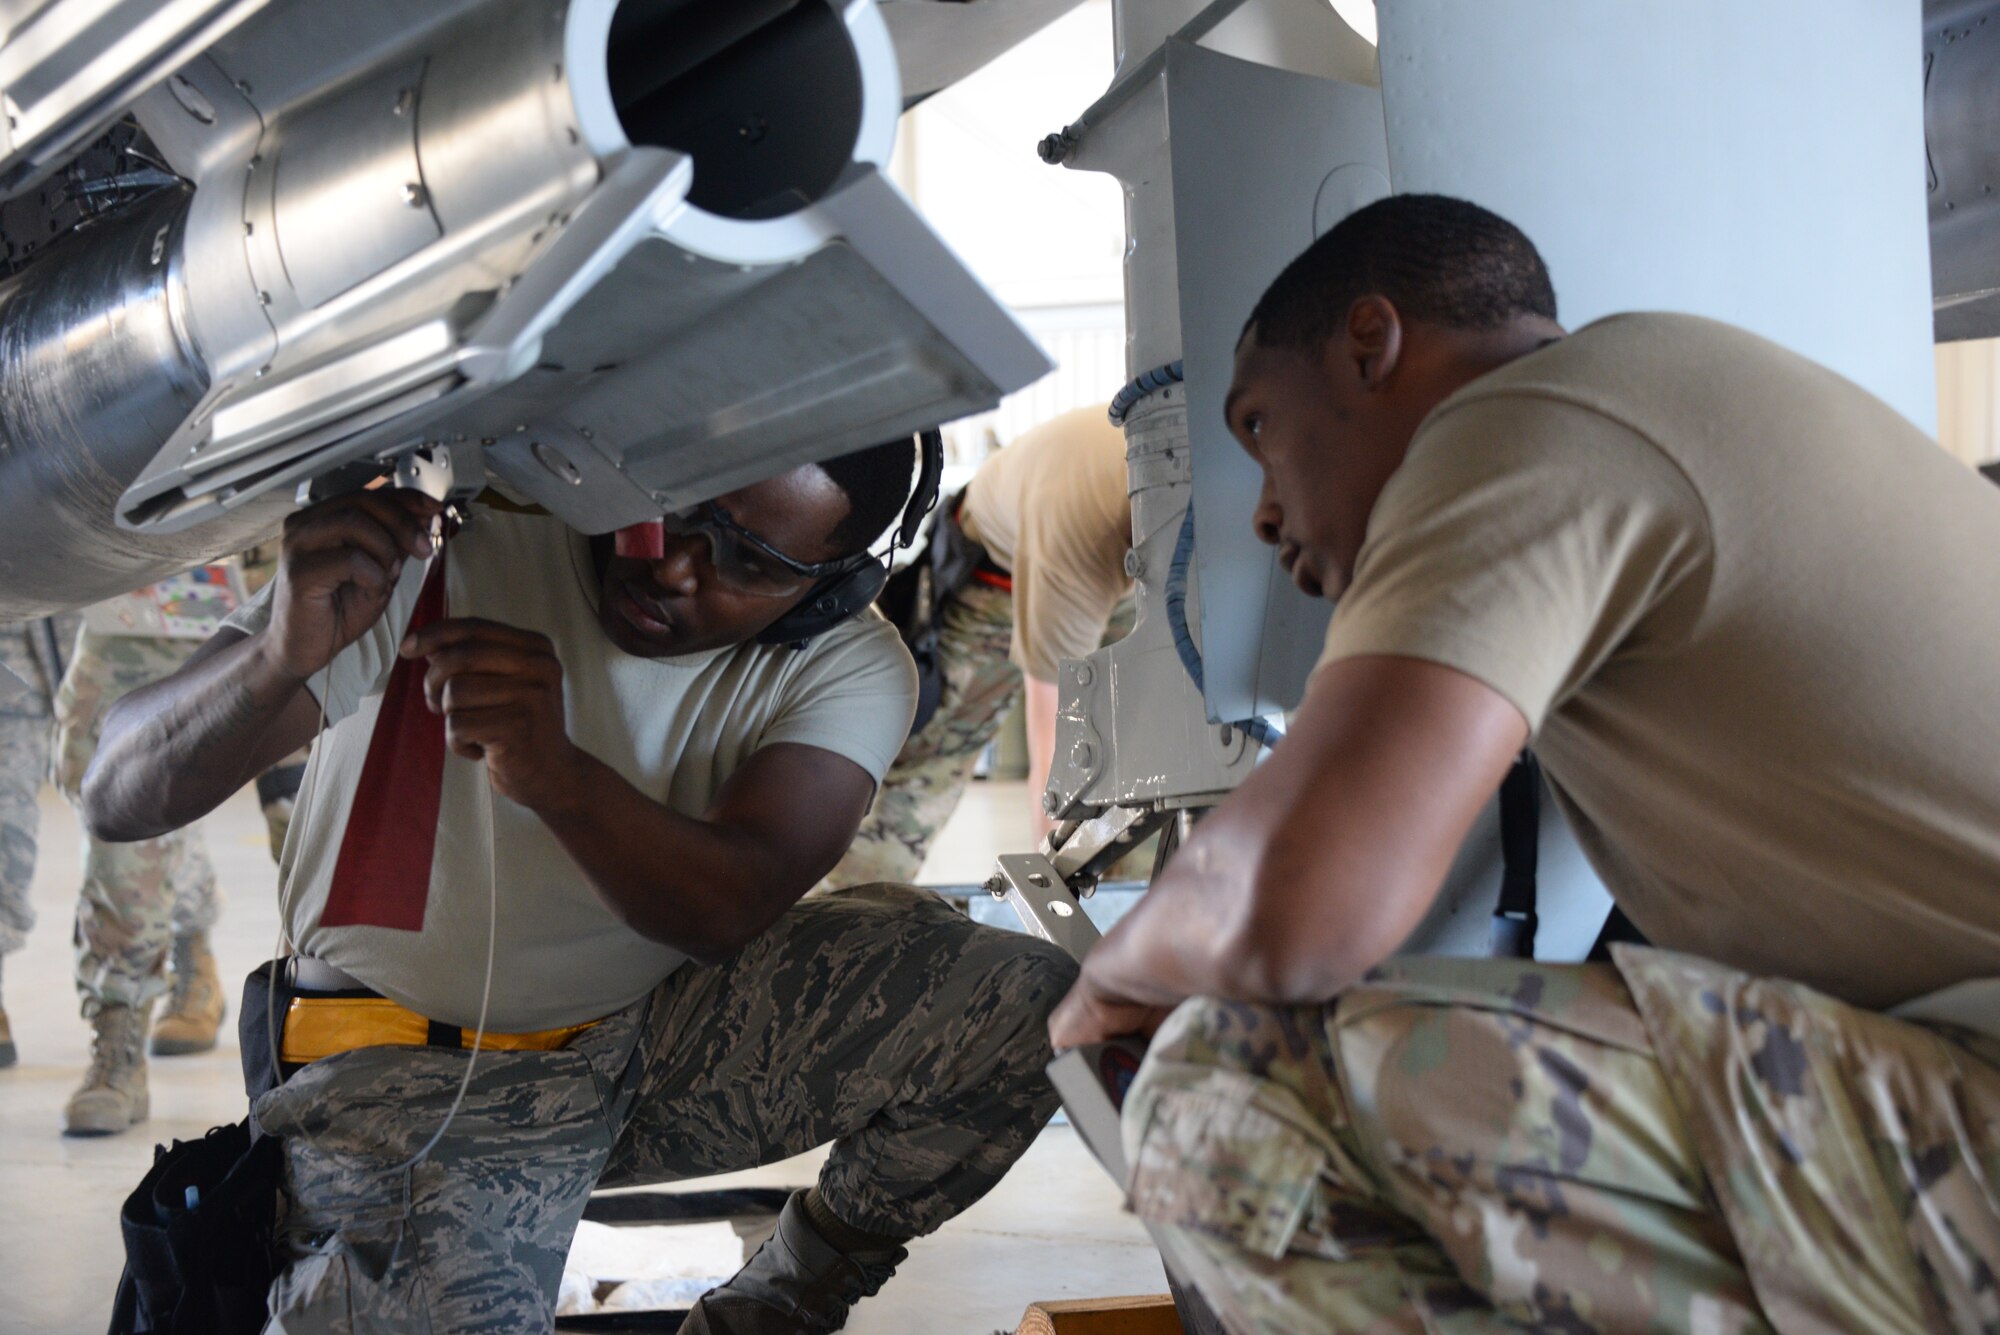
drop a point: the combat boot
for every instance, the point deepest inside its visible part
(7, 1054)
(194, 1001)
(798, 1283)
(113, 1095)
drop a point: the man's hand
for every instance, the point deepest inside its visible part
(500, 690)
(1091, 1015)
(339, 566)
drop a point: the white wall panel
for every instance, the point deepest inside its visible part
(1762, 163)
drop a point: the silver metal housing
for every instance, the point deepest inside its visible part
(635, 251)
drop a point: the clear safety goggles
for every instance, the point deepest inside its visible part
(740, 558)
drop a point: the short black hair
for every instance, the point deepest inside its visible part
(1437, 259)
(877, 481)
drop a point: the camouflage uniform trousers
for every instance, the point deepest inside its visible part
(923, 786)
(136, 897)
(880, 1020)
(1459, 1146)
(30, 650)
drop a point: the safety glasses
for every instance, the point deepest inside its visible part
(740, 558)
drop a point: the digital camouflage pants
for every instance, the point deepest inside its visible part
(923, 786)
(136, 897)
(32, 651)
(1461, 1146)
(881, 1020)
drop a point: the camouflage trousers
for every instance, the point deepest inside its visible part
(923, 786)
(882, 1021)
(32, 651)
(136, 897)
(1459, 1146)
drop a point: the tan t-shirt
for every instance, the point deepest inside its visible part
(1753, 617)
(676, 728)
(1052, 510)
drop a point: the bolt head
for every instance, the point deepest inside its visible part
(1049, 804)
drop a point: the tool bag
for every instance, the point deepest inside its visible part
(913, 600)
(199, 1230)
(199, 1251)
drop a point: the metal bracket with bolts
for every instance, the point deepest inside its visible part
(1030, 883)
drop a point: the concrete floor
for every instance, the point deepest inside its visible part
(1052, 1229)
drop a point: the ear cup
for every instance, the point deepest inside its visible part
(859, 582)
(829, 602)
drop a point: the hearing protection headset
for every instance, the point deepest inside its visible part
(855, 582)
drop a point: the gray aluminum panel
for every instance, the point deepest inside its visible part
(1263, 160)
(350, 205)
(939, 42)
(1762, 164)
(68, 67)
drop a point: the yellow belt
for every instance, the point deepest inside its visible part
(318, 1027)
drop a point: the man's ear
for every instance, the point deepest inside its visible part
(1371, 346)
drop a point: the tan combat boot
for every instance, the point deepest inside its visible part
(194, 1001)
(113, 1095)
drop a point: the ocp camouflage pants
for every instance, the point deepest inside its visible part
(923, 786)
(1459, 1146)
(29, 650)
(881, 1020)
(136, 897)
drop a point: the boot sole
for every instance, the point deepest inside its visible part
(178, 1047)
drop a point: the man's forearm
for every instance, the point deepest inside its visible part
(1184, 938)
(690, 884)
(172, 751)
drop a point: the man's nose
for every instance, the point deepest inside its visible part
(678, 571)
(1268, 518)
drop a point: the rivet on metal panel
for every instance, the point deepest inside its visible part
(557, 462)
(263, 370)
(1084, 676)
(413, 194)
(191, 99)
(406, 101)
(1135, 565)
(263, 298)
(249, 229)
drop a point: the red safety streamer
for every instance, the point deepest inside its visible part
(646, 540)
(383, 875)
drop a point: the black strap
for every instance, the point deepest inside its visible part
(1514, 919)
